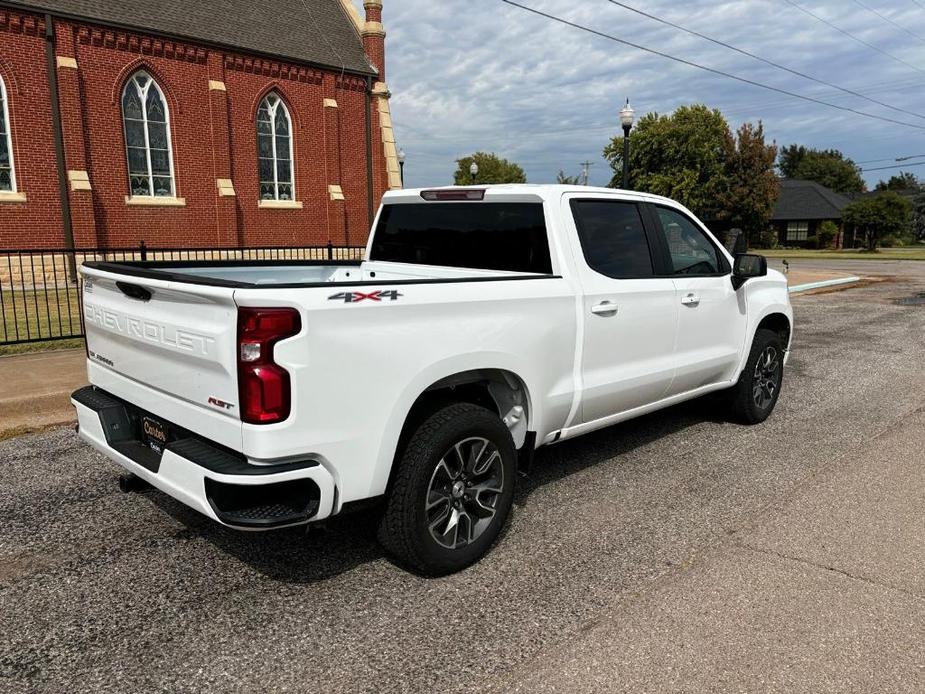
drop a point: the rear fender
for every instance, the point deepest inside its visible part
(425, 379)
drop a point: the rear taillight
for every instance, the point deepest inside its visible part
(263, 386)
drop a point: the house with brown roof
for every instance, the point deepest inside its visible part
(801, 208)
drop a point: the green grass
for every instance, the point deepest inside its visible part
(46, 346)
(37, 314)
(914, 253)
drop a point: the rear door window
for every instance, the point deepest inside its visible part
(613, 238)
(507, 236)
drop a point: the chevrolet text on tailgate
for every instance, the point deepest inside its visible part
(484, 323)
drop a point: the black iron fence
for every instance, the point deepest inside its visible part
(40, 289)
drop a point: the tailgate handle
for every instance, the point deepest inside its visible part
(133, 291)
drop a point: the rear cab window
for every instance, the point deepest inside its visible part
(613, 238)
(508, 236)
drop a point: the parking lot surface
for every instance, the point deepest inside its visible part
(632, 560)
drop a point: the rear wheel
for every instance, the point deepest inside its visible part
(452, 490)
(756, 393)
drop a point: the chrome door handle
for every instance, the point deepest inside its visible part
(605, 308)
(691, 300)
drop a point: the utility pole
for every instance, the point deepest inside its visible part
(585, 165)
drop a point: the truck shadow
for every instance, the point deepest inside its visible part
(346, 542)
(556, 462)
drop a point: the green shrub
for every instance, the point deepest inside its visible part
(892, 241)
(766, 239)
(827, 232)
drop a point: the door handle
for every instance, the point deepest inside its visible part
(605, 308)
(691, 300)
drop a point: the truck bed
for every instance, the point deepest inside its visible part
(295, 273)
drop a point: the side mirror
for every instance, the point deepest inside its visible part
(746, 266)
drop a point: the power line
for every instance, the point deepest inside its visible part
(763, 60)
(853, 37)
(714, 71)
(904, 158)
(898, 166)
(888, 20)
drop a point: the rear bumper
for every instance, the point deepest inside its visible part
(214, 480)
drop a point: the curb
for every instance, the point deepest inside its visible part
(824, 283)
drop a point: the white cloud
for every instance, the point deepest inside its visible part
(481, 74)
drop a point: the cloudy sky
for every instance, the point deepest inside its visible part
(472, 75)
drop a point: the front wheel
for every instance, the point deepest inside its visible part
(756, 393)
(452, 490)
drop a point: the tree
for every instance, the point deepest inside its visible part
(918, 217)
(694, 158)
(828, 167)
(567, 180)
(826, 233)
(903, 181)
(680, 156)
(789, 160)
(878, 215)
(492, 169)
(751, 185)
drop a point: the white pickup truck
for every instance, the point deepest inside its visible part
(484, 322)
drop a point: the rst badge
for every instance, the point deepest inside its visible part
(357, 297)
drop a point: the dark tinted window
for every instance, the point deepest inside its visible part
(613, 238)
(485, 235)
(691, 251)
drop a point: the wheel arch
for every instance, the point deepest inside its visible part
(776, 316)
(496, 388)
(777, 322)
(500, 390)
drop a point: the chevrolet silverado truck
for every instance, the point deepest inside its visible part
(483, 323)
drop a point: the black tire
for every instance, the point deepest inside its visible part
(747, 406)
(430, 454)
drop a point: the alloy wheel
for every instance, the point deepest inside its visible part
(767, 377)
(463, 493)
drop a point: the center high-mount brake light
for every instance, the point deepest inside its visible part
(263, 385)
(454, 194)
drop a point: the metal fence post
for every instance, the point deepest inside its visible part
(144, 250)
(330, 250)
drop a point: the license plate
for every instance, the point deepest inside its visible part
(154, 433)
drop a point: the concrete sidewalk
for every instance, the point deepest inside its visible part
(826, 594)
(35, 389)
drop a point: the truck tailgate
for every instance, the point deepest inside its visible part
(147, 337)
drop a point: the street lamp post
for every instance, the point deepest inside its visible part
(626, 119)
(401, 166)
(473, 171)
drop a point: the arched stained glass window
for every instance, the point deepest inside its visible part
(7, 173)
(274, 148)
(147, 137)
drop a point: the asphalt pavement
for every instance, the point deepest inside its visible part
(674, 552)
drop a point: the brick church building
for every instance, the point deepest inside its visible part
(192, 124)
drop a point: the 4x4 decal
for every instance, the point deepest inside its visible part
(356, 297)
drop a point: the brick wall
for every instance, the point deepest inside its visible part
(212, 96)
(22, 67)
